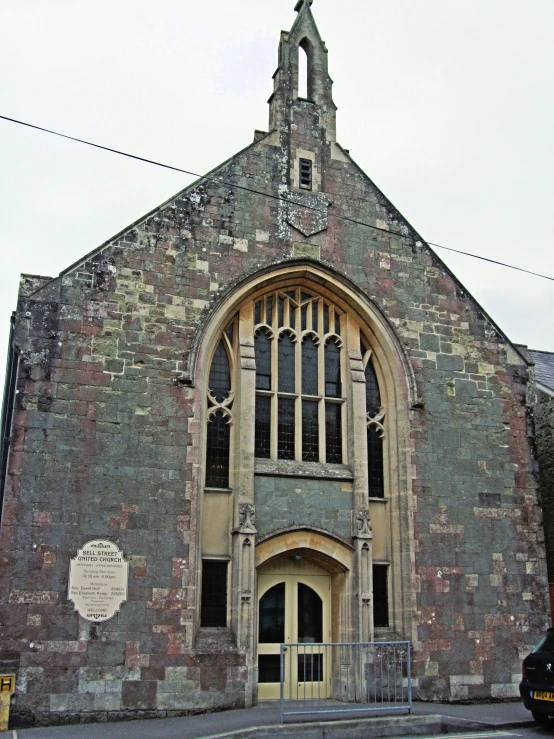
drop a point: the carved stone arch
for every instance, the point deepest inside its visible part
(332, 554)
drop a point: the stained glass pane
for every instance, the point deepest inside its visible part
(262, 431)
(272, 616)
(333, 433)
(292, 316)
(310, 431)
(372, 394)
(315, 310)
(220, 375)
(333, 387)
(309, 366)
(286, 364)
(217, 452)
(269, 310)
(375, 463)
(280, 312)
(262, 351)
(285, 429)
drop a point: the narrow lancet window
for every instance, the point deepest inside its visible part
(375, 432)
(220, 374)
(302, 72)
(217, 451)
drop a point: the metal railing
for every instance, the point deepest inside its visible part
(345, 677)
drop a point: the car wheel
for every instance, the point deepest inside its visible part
(543, 719)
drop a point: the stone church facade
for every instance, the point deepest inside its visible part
(266, 388)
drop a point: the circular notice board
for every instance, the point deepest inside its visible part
(98, 578)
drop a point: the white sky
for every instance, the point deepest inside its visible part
(446, 105)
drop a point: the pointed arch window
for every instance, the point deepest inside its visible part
(299, 394)
(220, 410)
(375, 419)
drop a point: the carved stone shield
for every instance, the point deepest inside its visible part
(306, 211)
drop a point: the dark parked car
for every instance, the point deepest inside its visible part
(537, 684)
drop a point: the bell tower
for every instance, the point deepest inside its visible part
(285, 102)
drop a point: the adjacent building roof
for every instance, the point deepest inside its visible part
(544, 369)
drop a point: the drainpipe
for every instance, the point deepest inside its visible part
(7, 410)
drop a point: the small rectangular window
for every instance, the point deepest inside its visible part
(380, 596)
(306, 174)
(213, 609)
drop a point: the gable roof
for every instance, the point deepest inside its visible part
(544, 370)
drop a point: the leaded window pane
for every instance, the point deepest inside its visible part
(304, 321)
(281, 311)
(220, 375)
(325, 319)
(375, 463)
(213, 608)
(337, 324)
(258, 313)
(315, 310)
(286, 364)
(333, 433)
(262, 430)
(262, 351)
(285, 428)
(380, 596)
(217, 451)
(269, 310)
(372, 394)
(310, 431)
(333, 387)
(309, 366)
(292, 315)
(271, 624)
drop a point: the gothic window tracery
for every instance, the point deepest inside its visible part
(375, 419)
(299, 397)
(220, 414)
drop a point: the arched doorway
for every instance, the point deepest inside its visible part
(294, 607)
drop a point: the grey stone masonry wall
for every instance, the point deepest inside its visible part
(284, 502)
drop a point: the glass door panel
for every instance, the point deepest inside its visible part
(293, 609)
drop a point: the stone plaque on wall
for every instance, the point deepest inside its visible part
(98, 580)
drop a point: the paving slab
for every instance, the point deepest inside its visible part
(264, 721)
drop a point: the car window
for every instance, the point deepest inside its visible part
(546, 645)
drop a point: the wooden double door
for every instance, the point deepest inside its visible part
(294, 608)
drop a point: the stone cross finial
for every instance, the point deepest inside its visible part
(299, 5)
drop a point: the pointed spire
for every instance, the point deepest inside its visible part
(300, 4)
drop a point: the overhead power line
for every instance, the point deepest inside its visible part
(265, 195)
